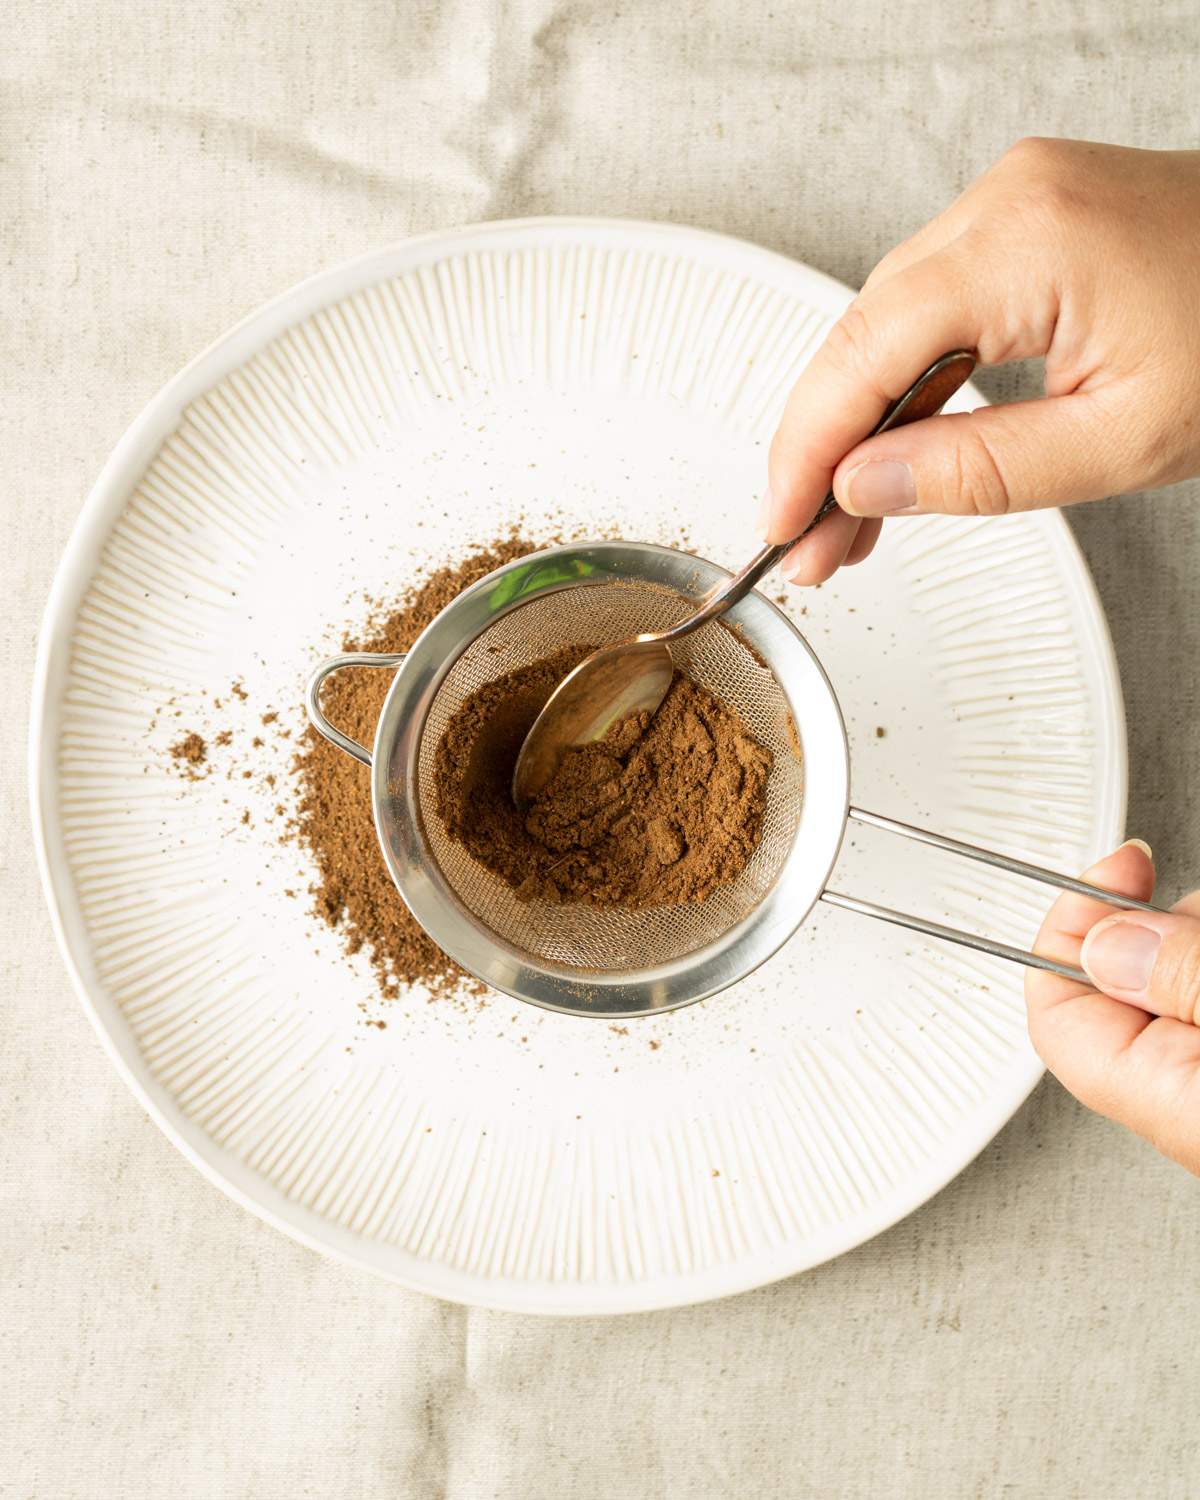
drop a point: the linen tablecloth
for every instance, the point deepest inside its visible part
(1033, 1331)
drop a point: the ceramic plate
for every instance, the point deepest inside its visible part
(585, 377)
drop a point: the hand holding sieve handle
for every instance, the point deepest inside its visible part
(924, 398)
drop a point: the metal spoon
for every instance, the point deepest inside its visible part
(632, 677)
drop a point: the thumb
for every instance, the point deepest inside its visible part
(1148, 960)
(1023, 455)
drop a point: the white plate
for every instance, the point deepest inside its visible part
(621, 378)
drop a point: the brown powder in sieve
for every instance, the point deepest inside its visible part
(662, 812)
(354, 892)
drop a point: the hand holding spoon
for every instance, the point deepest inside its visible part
(632, 677)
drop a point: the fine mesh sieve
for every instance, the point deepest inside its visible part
(591, 960)
(579, 934)
(576, 956)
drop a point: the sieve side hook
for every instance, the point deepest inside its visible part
(997, 861)
(312, 697)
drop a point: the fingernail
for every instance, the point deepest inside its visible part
(790, 565)
(1121, 956)
(764, 516)
(1139, 844)
(880, 488)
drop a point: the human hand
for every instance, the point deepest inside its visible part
(1083, 253)
(1130, 1048)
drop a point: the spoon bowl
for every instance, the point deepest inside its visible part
(613, 684)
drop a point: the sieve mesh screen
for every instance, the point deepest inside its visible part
(581, 935)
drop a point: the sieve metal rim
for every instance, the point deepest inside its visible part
(681, 981)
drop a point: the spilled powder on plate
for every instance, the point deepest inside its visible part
(353, 891)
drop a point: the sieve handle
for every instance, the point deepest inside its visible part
(997, 861)
(313, 697)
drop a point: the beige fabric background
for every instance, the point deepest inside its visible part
(164, 168)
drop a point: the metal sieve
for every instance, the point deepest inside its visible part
(611, 962)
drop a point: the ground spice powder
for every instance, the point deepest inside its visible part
(190, 752)
(666, 809)
(353, 890)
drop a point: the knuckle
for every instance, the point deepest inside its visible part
(1175, 981)
(903, 254)
(975, 482)
(851, 340)
(1043, 187)
(1033, 155)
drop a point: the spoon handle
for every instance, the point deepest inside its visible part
(924, 398)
